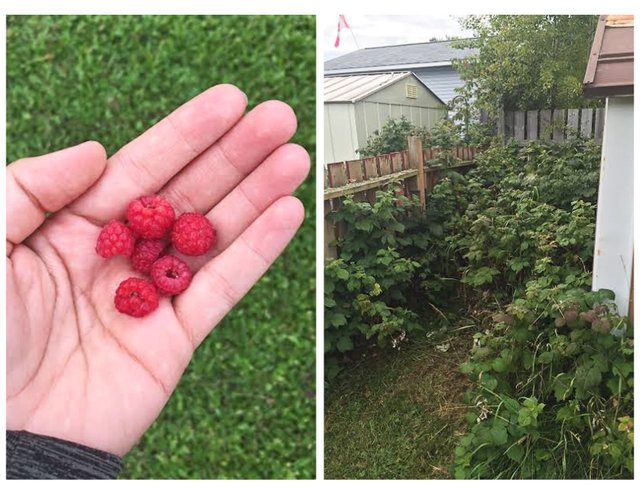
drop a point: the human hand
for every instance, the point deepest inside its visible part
(76, 368)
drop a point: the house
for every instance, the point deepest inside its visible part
(610, 74)
(355, 106)
(430, 62)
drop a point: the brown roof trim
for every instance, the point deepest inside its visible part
(604, 91)
(610, 66)
(590, 74)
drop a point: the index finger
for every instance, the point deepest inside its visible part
(148, 162)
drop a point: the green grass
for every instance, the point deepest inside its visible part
(397, 414)
(245, 407)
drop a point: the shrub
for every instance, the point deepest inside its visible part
(553, 394)
(391, 138)
(373, 288)
(394, 134)
(530, 217)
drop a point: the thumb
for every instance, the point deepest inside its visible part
(47, 183)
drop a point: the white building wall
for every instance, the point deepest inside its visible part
(340, 135)
(613, 255)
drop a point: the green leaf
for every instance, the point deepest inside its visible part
(562, 387)
(525, 417)
(499, 365)
(542, 454)
(342, 274)
(337, 319)
(344, 344)
(587, 377)
(466, 368)
(364, 225)
(499, 434)
(515, 452)
(606, 294)
(546, 357)
(510, 404)
(489, 382)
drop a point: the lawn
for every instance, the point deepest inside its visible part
(398, 413)
(245, 407)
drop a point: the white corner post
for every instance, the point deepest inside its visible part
(613, 253)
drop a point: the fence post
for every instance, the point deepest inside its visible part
(416, 162)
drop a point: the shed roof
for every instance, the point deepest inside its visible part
(353, 88)
(610, 67)
(398, 57)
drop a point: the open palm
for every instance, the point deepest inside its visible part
(76, 368)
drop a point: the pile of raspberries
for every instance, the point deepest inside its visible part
(151, 228)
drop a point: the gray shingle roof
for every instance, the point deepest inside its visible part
(398, 55)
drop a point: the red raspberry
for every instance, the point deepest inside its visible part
(115, 238)
(171, 275)
(146, 253)
(193, 234)
(136, 297)
(150, 216)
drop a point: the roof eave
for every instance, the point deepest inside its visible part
(372, 90)
(388, 68)
(606, 91)
(392, 81)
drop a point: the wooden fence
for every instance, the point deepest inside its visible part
(362, 178)
(555, 125)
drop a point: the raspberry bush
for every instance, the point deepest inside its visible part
(509, 246)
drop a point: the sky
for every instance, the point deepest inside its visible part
(380, 30)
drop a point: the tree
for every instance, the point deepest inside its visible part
(526, 61)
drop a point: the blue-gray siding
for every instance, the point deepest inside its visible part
(441, 80)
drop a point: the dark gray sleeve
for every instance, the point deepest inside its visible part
(31, 456)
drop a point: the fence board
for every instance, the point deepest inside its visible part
(545, 124)
(599, 125)
(586, 122)
(573, 122)
(518, 125)
(385, 164)
(396, 162)
(355, 171)
(337, 174)
(558, 124)
(431, 154)
(370, 168)
(532, 125)
(508, 124)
